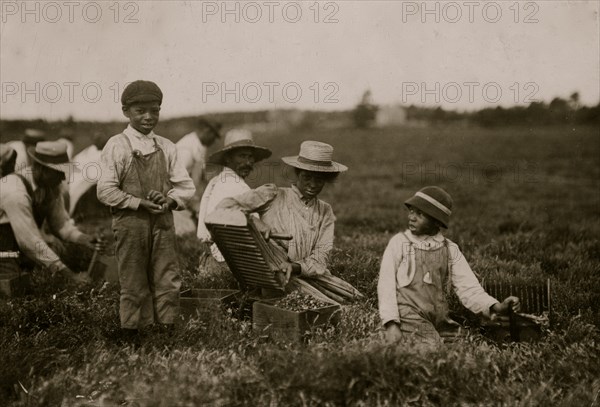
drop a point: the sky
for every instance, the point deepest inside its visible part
(74, 58)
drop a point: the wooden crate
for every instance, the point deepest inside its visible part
(205, 303)
(535, 302)
(534, 297)
(283, 324)
(523, 330)
(14, 284)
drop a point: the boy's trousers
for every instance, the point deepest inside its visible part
(148, 270)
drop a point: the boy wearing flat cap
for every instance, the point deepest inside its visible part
(417, 270)
(142, 182)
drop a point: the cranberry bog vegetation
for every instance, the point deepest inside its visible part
(527, 204)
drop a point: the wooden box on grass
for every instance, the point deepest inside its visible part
(527, 326)
(283, 324)
(205, 303)
(14, 284)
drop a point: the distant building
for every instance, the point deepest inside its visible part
(390, 115)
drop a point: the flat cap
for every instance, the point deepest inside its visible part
(141, 91)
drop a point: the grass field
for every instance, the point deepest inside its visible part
(526, 204)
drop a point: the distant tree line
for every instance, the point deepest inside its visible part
(539, 113)
(558, 111)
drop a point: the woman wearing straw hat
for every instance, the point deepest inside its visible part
(299, 212)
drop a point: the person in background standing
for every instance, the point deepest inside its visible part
(191, 152)
(88, 161)
(192, 149)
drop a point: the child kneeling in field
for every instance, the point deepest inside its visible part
(418, 269)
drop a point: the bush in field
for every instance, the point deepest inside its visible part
(365, 112)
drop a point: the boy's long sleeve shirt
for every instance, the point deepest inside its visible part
(116, 159)
(398, 269)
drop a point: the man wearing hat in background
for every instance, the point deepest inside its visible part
(143, 182)
(238, 156)
(191, 152)
(30, 139)
(27, 199)
(192, 149)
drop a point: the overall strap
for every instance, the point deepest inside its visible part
(156, 145)
(449, 273)
(27, 184)
(38, 213)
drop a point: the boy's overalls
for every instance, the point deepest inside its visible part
(423, 304)
(145, 247)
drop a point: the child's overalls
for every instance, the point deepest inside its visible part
(145, 247)
(422, 304)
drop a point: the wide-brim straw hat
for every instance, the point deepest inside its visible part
(239, 138)
(315, 156)
(433, 201)
(53, 154)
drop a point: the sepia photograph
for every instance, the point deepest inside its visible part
(299, 203)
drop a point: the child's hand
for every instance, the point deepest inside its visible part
(156, 197)
(392, 332)
(503, 307)
(151, 207)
